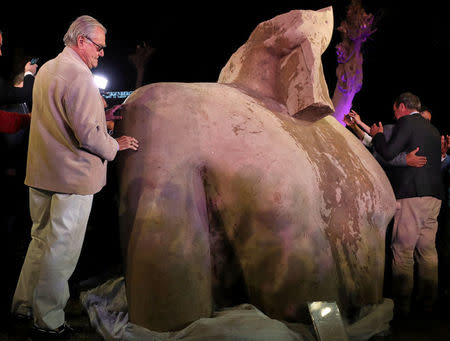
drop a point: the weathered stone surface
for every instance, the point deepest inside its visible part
(234, 196)
(282, 60)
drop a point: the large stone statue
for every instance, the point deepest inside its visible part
(247, 190)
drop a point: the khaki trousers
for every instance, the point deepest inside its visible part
(59, 225)
(413, 242)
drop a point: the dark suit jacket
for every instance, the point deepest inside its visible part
(413, 131)
(12, 95)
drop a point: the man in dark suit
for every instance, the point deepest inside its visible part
(419, 192)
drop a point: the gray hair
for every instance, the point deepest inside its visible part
(411, 101)
(81, 26)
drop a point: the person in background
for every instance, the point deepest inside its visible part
(425, 112)
(9, 123)
(12, 124)
(10, 94)
(353, 120)
(419, 192)
(443, 234)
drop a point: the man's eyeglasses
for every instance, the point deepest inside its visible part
(98, 46)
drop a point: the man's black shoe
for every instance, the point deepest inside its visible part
(63, 332)
(18, 326)
(19, 321)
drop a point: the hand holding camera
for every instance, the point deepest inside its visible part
(31, 66)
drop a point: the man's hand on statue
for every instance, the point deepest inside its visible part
(375, 129)
(127, 142)
(110, 113)
(414, 160)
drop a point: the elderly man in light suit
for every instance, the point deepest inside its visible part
(67, 158)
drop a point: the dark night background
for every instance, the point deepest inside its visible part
(409, 51)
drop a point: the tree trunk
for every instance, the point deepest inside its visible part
(355, 30)
(349, 82)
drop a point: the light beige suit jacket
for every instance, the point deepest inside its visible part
(69, 144)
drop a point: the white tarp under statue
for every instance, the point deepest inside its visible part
(248, 191)
(108, 312)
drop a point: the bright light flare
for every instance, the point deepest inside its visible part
(100, 81)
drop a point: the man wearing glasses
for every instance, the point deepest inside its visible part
(67, 157)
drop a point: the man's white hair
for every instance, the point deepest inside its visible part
(84, 25)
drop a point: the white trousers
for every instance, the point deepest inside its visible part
(57, 234)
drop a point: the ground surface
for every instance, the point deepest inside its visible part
(436, 328)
